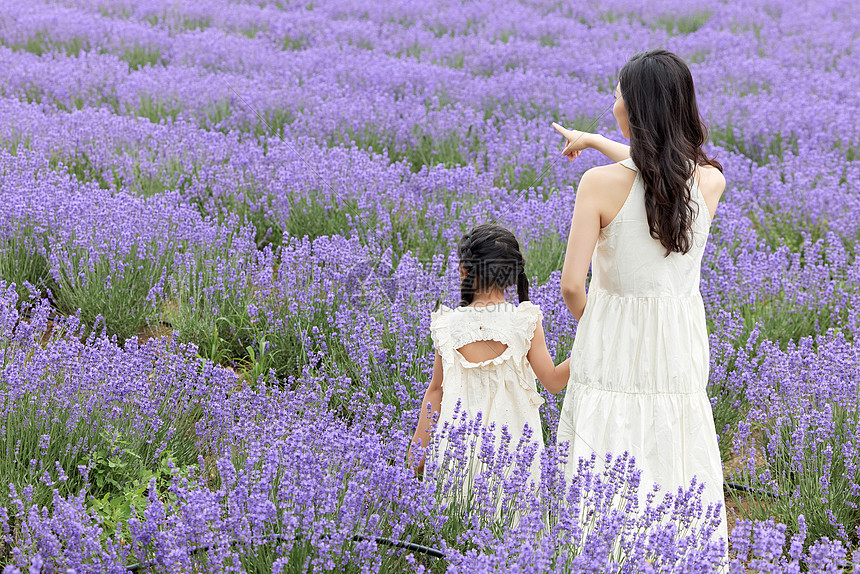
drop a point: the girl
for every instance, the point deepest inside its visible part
(641, 346)
(488, 351)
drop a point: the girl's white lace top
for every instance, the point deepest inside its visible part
(503, 390)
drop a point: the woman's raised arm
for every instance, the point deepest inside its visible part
(578, 141)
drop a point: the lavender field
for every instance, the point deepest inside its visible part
(225, 224)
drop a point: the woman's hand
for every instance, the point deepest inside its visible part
(576, 141)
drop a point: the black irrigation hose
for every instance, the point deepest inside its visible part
(417, 548)
(744, 488)
(432, 552)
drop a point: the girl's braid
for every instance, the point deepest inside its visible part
(468, 284)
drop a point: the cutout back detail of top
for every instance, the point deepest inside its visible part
(480, 351)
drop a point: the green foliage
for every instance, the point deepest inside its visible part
(15, 142)
(780, 228)
(25, 423)
(851, 151)
(505, 35)
(409, 228)
(216, 114)
(82, 168)
(455, 61)
(729, 407)
(544, 256)
(783, 319)
(268, 229)
(156, 111)
(190, 23)
(683, 25)
(125, 481)
(138, 56)
(698, 56)
(414, 233)
(75, 46)
(315, 215)
(114, 287)
(77, 103)
(222, 321)
(275, 122)
(440, 31)
(250, 32)
(230, 335)
(413, 51)
(37, 432)
(787, 488)
(448, 151)
(267, 123)
(362, 44)
(32, 94)
(611, 17)
(172, 175)
(731, 138)
(221, 116)
(40, 43)
(521, 177)
(195, 312)
(291, 44)
(422, 151)
(112, 11)
(24, 259)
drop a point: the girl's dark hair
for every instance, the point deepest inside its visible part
(490, 255)
(666, 138)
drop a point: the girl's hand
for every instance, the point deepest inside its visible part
(576, 141)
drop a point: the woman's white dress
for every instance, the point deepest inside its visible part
(503, 390)
(639, 363)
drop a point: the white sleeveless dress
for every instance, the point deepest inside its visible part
(503, 390)
(640, 360)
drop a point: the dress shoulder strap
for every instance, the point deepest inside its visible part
(628, 162)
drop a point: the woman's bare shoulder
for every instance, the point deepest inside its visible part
(711, 180)
(608, 187)
(611, 175)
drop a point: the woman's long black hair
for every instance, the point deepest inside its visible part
(666, 138)
(491, 257)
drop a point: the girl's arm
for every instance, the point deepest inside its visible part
(427, 417)
(578, 141)
(553, 378)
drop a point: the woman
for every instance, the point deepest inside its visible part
(639, 364)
